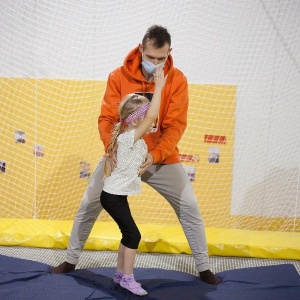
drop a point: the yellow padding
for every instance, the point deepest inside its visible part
(155, 238)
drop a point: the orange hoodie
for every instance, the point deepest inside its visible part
(172, 119)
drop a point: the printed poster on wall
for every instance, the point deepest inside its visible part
(214, 155)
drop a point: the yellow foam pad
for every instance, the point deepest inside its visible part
(155, 238)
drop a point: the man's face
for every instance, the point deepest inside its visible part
(155, 55)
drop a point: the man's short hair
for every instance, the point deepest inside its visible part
(158, 35)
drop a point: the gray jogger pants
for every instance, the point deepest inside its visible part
(172, 182)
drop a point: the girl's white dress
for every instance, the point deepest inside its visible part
(124, 179)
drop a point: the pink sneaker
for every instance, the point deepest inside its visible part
(128, 282)
(118, 277)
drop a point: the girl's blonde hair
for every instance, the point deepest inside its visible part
(128, 105)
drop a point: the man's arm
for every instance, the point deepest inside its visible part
(109, 109)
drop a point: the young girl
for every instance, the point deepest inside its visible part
(136, 117)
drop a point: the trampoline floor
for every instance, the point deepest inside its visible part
(24, 275)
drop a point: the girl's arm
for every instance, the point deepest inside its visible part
(153, 109)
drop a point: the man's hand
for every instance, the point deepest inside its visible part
(148, 163)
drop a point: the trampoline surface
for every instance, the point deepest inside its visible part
(27, 279)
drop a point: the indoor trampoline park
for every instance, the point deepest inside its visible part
(205, 204)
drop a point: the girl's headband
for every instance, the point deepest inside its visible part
(141, 111)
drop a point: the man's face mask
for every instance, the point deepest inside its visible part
(150, 67)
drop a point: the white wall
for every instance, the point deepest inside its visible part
(252, 44)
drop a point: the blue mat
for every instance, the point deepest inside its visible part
(24, 279)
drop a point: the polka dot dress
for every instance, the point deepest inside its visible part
(124, 179)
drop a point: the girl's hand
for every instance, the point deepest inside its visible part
(159, 78)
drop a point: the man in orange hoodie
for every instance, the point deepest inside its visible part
(162, 169)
